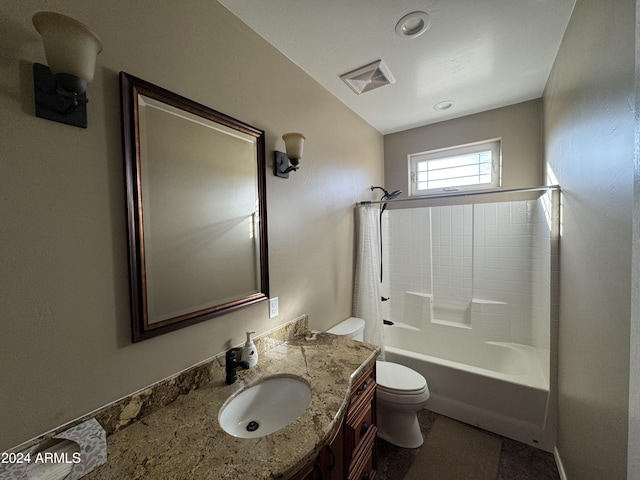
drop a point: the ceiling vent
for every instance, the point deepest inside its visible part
(369, 77)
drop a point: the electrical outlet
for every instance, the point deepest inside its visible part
(273, 307)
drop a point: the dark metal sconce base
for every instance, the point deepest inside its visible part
(52, 105)
(280, 164)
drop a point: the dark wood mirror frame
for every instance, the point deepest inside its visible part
(143, 326)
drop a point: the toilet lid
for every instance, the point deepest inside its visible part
(395, 377)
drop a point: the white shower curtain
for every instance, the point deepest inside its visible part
(366, 291)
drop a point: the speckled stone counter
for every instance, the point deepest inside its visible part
(184, 440)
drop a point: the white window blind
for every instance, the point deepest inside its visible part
(465, 167)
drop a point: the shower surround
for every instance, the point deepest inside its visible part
(478, 275)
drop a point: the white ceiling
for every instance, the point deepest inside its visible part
(480, 54)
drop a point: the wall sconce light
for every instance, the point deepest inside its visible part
(283, 163)
(71, 50)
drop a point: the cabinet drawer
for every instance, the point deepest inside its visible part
(362, 388)
(359, 423)
(363, 467)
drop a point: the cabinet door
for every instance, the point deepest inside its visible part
(329, 465)
(331, 458)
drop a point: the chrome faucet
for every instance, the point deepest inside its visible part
(231, 363)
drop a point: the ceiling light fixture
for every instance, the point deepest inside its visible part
(413, 25)
(446, 105)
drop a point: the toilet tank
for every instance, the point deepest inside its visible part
(352, 327)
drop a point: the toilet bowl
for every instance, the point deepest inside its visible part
(400, 395)
(401, 392)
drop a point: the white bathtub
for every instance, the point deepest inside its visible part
(494, 385)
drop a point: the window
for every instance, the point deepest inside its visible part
(473, 166)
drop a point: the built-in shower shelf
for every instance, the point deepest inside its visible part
(450, 323)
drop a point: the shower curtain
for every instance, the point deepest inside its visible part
(366, 291)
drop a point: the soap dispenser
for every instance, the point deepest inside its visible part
(249, 351)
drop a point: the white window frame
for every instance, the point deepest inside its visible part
(494, 145)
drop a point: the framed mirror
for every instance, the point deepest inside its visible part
(196, 210)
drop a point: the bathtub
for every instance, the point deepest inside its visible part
(497, 386)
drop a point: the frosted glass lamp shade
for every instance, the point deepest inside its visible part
(70, 46)
(294, 143)
(285, 163)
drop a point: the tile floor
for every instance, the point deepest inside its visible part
(517, 460)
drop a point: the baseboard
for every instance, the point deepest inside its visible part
(523, 432)
(556, 454)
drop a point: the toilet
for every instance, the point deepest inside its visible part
(400, 394)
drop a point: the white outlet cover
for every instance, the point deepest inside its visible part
(273, 307)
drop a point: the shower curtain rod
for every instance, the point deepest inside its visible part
(461, 194)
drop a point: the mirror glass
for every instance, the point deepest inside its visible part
(196, 206)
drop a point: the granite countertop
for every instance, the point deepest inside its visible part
(184, 440)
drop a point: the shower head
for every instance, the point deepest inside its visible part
(393, 194)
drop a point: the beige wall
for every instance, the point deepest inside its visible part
(633, 459)
(64, 304)
(519, 126)
(588, 121)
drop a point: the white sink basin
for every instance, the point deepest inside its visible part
(265, 407)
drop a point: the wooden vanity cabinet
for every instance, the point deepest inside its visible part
(350, 455)
(360, 429)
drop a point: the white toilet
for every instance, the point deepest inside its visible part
(400, 394)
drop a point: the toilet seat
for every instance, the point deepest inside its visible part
(399, 380)
(402, 393)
